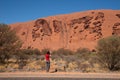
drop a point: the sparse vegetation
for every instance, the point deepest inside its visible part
(13, 57)
(109, 52)
(9, 43)
(80, 60)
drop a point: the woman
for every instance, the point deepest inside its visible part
(47, 58)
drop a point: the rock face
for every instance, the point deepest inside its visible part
(70, 31)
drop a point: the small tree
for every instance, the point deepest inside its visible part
(9, 43)
(109, 52)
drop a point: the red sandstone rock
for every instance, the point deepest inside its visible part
(69, 31)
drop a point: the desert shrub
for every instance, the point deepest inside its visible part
(80, 57)
(68, 55)
(83, 53)
(23, 56)
(63, 51)
(2, 68)
(30, 51)
(44, 51)
(108, 51)
(9, 43)
(85, 59)
(36, 52)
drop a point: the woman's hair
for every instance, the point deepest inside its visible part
(48, 52)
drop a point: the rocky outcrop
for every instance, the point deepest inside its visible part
(57, 26)
(40, 29)
(116, 29)
(71, 31)
(118, 15)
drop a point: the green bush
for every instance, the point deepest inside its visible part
(109, 52)
(63, 51)
(83, 53)
(62, 54)
(24, 56)
(9, 43)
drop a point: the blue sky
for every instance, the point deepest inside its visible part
(12, 11)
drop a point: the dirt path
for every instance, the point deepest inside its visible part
(60, 75)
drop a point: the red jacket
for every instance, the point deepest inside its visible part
(47, 57)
